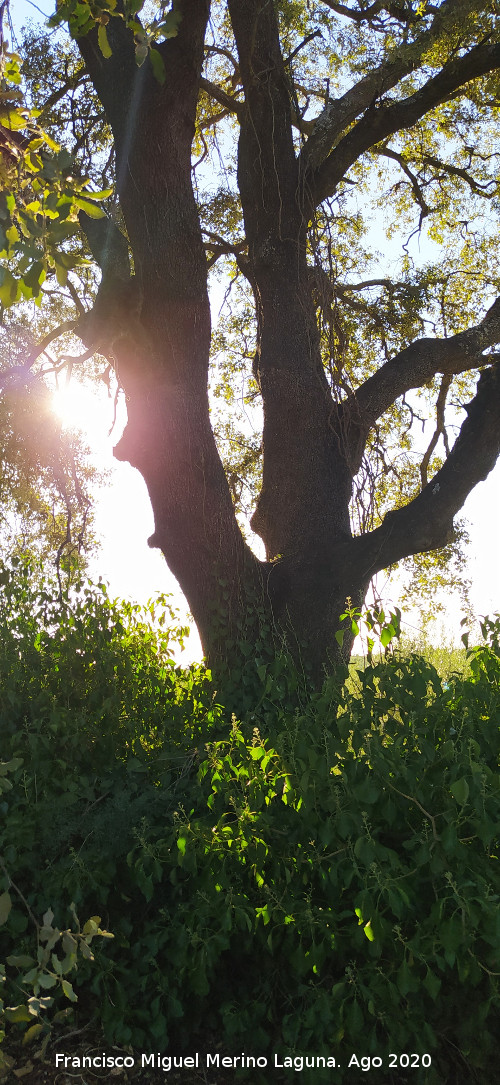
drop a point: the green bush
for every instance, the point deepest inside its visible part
(312, 881)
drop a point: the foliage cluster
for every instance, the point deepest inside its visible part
(321, 875)
(40, 198)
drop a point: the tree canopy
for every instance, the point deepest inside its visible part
(258, 147)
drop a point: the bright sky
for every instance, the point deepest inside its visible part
(124, 518)
(123, 514)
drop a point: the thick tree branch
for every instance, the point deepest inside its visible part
(339, 114)
(114, 77)
(426, 523)
(232, 105)
(21, 374)
(17, 377)
(217, 246)
(122, 86)
(300, 46)
(358, 15)
(379, 123)
(388, 284)
(362, 15)
(299, 454)
(266, 160)
(419, 362)
(219, 95)
(219, 50)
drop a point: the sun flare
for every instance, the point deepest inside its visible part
(82, 408)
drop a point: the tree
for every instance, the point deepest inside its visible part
(305, 103)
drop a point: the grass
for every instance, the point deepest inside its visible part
(447, 659)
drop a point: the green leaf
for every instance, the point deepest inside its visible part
(169, 28)
(404, 979)
(101, 194)
(21, 961)
(141, 52)
(157, 65)
(57, 965)
(17, 1014)
(92, 925)
(5, 907)
(90, 208)
(132, 7)
(33, 1032)
(460, 790)
(432, 984)
(102, 38)
(68, 991)
(14, 119)
(386, 635)
(69, 943)
(61, 274)
(9, 288)
(355, 1019)
(47, 980)
(50, 142)
(35, 276)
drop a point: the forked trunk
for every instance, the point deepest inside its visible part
(154, 324)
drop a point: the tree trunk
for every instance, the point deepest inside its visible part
(155, 325)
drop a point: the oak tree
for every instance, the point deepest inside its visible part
(253, 136)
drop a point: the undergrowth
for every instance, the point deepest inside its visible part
(315, 880)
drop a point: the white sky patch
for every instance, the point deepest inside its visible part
(123, 515)
(83, 407)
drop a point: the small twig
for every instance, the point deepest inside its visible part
(483, 966)
(417, 803)
(20, 895)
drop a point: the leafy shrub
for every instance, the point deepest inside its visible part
(56, 957)
(321, 879)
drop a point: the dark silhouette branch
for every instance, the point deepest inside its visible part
(363, 15)
(419, 362)
(388, 152)
(426, 522)
(18, 375)
(458, 171)
(440, 430)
